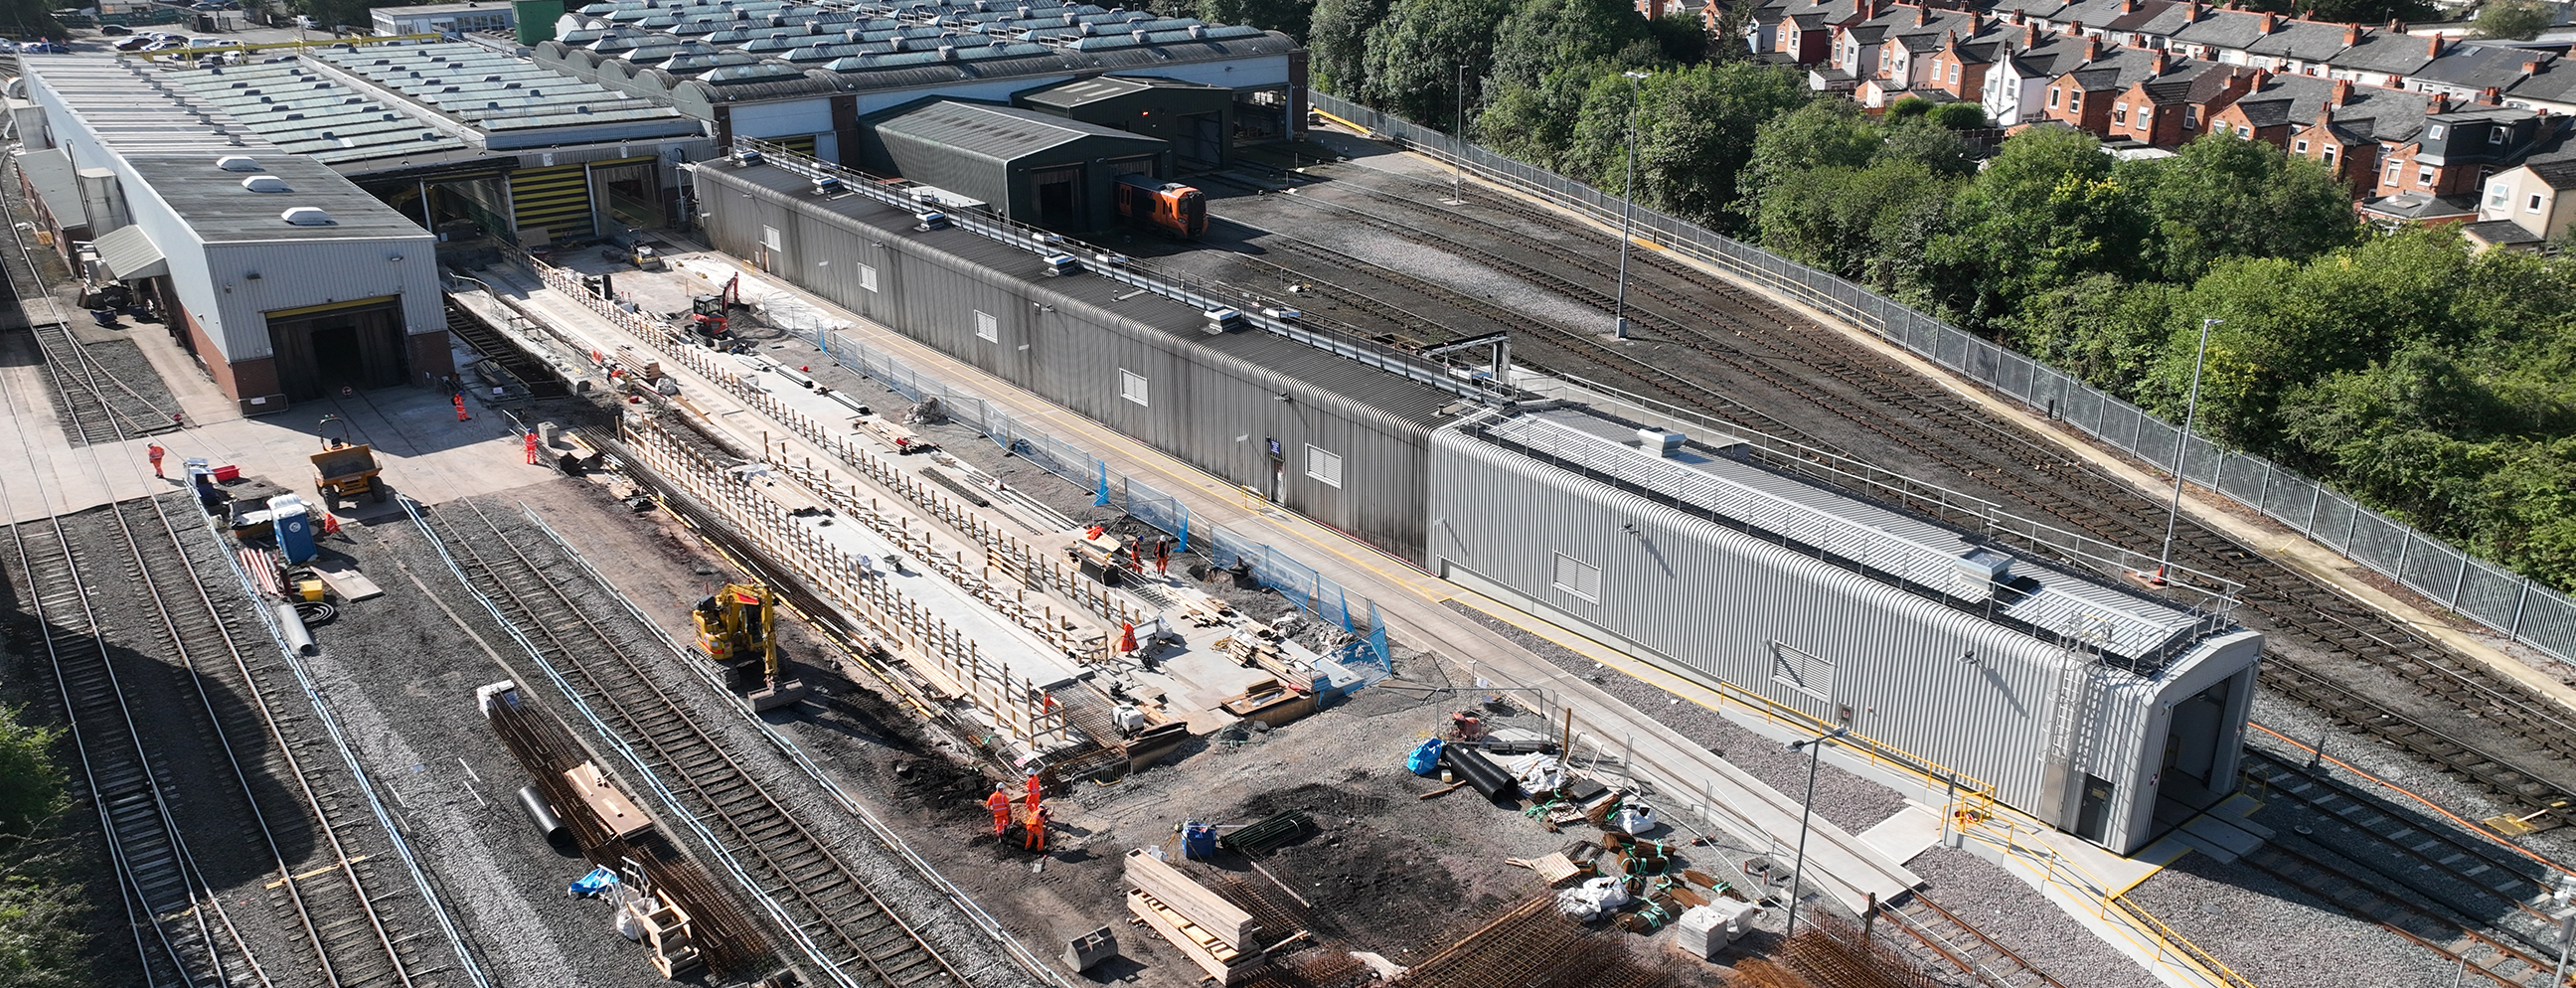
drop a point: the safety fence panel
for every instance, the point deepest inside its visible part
(2327, 518)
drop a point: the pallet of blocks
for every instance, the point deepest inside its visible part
(1214, 933)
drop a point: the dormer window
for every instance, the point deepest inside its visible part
(2436, 132)
(2495, 135)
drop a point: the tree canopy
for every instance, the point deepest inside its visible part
(2514, 20)
(43, 913)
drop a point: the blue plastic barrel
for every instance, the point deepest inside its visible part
(1198, 840)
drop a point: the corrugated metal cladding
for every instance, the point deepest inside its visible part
(1710, 601)
(1213, 401)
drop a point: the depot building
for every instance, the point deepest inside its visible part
(285, 279)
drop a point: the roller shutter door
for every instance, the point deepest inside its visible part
(556, 200)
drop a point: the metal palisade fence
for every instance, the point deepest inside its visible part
(1316, 595)
(2510, 604)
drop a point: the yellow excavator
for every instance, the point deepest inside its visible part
(736, 630)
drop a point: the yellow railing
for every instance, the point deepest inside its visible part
(2130, 921)
(1877, 753)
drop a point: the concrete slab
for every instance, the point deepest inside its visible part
(1209, 676)
(345, 580)
(1911, 831)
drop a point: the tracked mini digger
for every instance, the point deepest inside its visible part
(737, 631)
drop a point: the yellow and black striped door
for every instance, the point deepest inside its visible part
(556, 200)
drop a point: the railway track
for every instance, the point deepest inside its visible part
(91, 402)
(828, 904)
(1963, 946)
(1856, 387)
(2363, 894)
(199, 643)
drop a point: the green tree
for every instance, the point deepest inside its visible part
(1414, 54)
(1683, 38)
(1542, 36)
(1823, 134)
(2107, 330)
(1937, 148)
(1908, 108)
(1851, 221)
(43, 913)
(1338, 40)
(1959, 116)
(1291, 17)
(1536, 123)
(1696, 130)
(2046, 211)
(2222, 196)
(2514, 20)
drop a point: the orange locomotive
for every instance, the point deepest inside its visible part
(1171, 207)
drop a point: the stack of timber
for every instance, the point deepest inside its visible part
(1213, 932)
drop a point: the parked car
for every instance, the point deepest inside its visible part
(115, 29)
(44, 48)
(136, 43)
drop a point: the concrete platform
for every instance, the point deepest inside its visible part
(1913, 830)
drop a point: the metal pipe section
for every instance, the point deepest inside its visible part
(291, 627)
(1480, 772)
(540, 813)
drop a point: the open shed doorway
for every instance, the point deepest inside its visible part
(355, 344)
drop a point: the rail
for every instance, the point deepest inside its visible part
(2515, 606)
(367, 788)
(885, 835)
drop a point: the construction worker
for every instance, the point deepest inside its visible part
(532, 447)
(460, 408)
(1032, 801)
(154, 453)
(1126, 636)
(1163, 554)
(1036, 840)
(1000, 803)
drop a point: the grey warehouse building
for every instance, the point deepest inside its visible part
(2110, 713)
(1138, 362)
(1028, 166)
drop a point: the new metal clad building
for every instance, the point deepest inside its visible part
(2082, 703)
(1028, 166)
(1352, 441)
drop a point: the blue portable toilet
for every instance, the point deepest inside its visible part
(294, 524)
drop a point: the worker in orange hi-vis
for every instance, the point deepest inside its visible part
(1032, 800)
(460, 408)
(1126, 636)
(1000, 803)
(532, 447)
(154, 453)
(1036, 840)
(1163, 554)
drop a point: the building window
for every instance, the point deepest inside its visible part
(2330, 156)
(1577, 577)
(2435, 132)
(2244, 131)
(2532, 205)
(1954, 74)
(2142, 116)
(2075, 102)
(1809, 674)
(769, 237)
(2302, 147)
(867, 277)
(989, 330)
(2191, 118)
(2396, 171)
(2424, 175)
(1131, 385)
(2499, 195)
(2052, 97)
(1323, 466)
(2495, 135)
(2120, 113)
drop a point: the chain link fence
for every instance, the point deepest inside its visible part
(2510, 604)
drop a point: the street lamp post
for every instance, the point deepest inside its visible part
(1627, 206)
(2182, 445)
(1458, 130)
(1815, 749)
